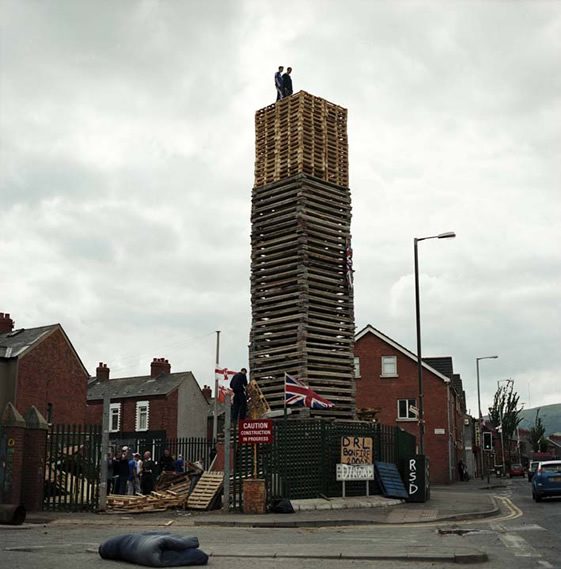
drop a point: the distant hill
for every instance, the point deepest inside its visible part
(550, 416)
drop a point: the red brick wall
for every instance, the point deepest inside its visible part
(162, 413)
(33, 473)
(383, 393)
(51, 373)
(14, 461)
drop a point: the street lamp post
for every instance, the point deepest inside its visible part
(477, 360)
(447, 235)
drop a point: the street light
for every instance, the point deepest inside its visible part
(446, 235)
(477, 360)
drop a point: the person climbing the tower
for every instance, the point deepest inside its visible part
(287, 83)
(238, 385)
(278, 83)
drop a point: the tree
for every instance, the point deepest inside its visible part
(505, 411)
(537, 435)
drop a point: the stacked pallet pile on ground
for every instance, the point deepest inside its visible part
(171, 492)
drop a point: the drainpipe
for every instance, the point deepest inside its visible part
(449, 437)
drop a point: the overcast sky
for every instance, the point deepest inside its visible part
(126, 169)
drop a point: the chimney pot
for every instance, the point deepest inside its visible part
(102, 372)
(207, 392)
(159, 366)
(6, 323)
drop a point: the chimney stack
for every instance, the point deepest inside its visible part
(159, 366)
(102, 372)
(207, 392)
(6, 323)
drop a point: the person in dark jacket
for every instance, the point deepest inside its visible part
(287, 83)
(121, 469)
(166, 462)
(238, 385)
(147, 474)
(278, 83)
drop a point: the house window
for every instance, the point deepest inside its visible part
(357, 367)
(114, 417)
(404, 411)
(142, 412)
(389, 366)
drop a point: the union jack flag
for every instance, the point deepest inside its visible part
(298, 394)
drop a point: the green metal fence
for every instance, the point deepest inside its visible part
(72, 468)
(300, 463)
(190, 448)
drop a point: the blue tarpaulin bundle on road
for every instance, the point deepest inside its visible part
(154, 549)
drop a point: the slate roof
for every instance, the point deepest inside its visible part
(370, 329)
(141, 386)
(13, 344)
(442, 364)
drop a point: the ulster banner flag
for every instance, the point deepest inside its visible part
(223, 377)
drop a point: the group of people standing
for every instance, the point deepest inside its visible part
(129, 473)
(283, 83)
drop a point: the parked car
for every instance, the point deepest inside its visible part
(532, 469)
(516, 470)
(547, 480)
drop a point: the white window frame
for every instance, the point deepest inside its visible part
(112, 408)
(357, 367)
(410, 416)
(139, 406)
(387, 359)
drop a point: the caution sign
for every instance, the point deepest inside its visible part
(255, 432)
(356, 450)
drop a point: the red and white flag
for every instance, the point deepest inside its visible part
(223, 377)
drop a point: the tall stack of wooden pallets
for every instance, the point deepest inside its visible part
(301, 276)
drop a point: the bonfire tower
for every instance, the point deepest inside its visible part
(301, 272)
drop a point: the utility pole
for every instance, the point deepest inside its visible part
(215, 414)
(227, 434)
(104, 450)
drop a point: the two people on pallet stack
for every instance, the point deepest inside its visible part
(283, 83)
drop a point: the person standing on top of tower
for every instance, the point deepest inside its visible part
(287, 83)
(278, 83)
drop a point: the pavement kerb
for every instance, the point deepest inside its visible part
(465, 557)
(342, 522)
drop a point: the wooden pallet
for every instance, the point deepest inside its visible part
(206, 490)
(154, 502)
(301, 134)
(302, 303)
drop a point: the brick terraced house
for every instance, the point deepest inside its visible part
(40, 367)
(156, 406)
(387, 385)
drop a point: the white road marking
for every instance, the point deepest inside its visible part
(545, 564)
(528, 527)
(518, 545)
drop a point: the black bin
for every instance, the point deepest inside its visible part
(417, 478)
